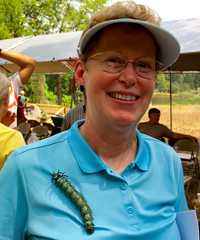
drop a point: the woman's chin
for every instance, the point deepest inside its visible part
(126, 119)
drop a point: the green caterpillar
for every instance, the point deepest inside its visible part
(61, 180)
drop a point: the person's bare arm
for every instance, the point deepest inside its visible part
(26, 64)
(183, 136)
(26, 102)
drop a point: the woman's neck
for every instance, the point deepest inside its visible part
(117, 147)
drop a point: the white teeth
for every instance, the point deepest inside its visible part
(123, 96)
(128, 97)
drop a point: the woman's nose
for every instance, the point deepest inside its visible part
(128, 76)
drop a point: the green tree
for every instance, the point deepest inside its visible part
(51, 98)
(162, 83)
(67, 99)
(26, 17)
(35, 89)
(197, 80)
(66, 85)
(12, 19)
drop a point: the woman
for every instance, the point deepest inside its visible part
(10, 139)
(132, 184)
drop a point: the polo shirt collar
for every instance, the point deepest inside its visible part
(142, 158)
(89, 161)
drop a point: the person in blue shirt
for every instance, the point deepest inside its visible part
(102, 179)
(24, 99)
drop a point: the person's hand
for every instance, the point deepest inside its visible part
(31, 107)
(8, 119)
(193, 138)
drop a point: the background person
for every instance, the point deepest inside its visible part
(10, 139)
(24, 99)
(19, 79)
(136, 181)
(74, 114)
(20, 108)
(159, 131)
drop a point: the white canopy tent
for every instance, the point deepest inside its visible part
(187, 31)
(52, 51)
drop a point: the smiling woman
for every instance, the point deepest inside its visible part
(123, 82)
(136, 180)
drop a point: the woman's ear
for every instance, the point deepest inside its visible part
(79, 72)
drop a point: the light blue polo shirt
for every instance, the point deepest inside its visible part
(138, 204)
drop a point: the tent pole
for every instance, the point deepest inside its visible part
(66, 64)
(72, 93)
(170, 80)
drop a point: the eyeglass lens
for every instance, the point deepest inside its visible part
(115, 62)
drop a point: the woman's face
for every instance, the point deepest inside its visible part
(105, 91)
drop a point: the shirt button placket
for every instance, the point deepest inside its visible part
(123, 186)
(130, 210)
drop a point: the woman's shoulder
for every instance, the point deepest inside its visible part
(6, 130)
(52, 142)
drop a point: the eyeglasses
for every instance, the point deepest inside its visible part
(113, 62)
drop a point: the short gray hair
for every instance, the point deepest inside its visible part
(4, 87)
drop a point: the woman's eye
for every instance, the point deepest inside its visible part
(144, 65)
(115, 60)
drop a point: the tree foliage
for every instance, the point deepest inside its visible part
(33, 17)
(66, 88)
(35, 89)
(162, 83)
(12, 19)
(66, 83)
(180, 82)
(49, 95)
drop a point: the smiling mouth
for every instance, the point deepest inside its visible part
(123, 96)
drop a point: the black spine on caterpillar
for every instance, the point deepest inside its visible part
(60, 180)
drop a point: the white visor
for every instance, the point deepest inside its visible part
(168, 44)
